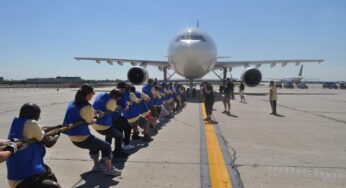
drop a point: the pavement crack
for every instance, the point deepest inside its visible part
(129, 161)
(186, 124)
(45, 105)
(234, 158)
(291, 166)
(66, 159)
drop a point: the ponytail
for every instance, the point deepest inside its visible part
(80, 97)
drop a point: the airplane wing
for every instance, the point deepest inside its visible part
(133, 62)
(272, 63)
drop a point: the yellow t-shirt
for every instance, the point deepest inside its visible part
(153, 91)
(273, 93)
(158, 94)
(169, 91)
(144, 96)
(133, 98)
(87, 113)
(31, 130)
(111, 106)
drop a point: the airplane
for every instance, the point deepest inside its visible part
(292, 79)
(192, 54)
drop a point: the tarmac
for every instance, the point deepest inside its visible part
(304, 146)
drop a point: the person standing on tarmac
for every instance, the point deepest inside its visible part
(272, 97)
(202, 88)
(232, 89)
(241, 92)
(227, 97)
(26, 168)
(107, 104)
(208, 102)
(80, 110)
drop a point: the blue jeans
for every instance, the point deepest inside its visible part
(95, 145)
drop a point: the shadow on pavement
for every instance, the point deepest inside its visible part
(232, 115)
(279, 115)
(119, 163)
(96, 179)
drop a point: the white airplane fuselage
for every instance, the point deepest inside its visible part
(292, 79)
(192, 53)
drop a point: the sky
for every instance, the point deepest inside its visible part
(39, 38)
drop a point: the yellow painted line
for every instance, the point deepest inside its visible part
(219, 176)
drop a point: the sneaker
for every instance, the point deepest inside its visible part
(112, 172)
(213, 122)
(228, 113)
(136, 137)
(147, 138)
(224, 112)
(128, 147)
(99, 168)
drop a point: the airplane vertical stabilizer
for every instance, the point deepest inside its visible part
(301, 71)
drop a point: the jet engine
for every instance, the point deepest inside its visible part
(137, 75)
(251, 77)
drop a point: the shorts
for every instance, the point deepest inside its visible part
(226, 98)
(241, 93)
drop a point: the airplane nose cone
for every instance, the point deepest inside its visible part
(193, 60)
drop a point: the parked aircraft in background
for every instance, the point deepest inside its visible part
(291, 79)
(192, 54)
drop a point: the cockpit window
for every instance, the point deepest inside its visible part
(190, 36)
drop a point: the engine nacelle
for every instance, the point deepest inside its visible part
(251, 77)
(137, 75)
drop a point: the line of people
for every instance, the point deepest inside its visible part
(228, 91)
(208, 98)
(116, 115)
